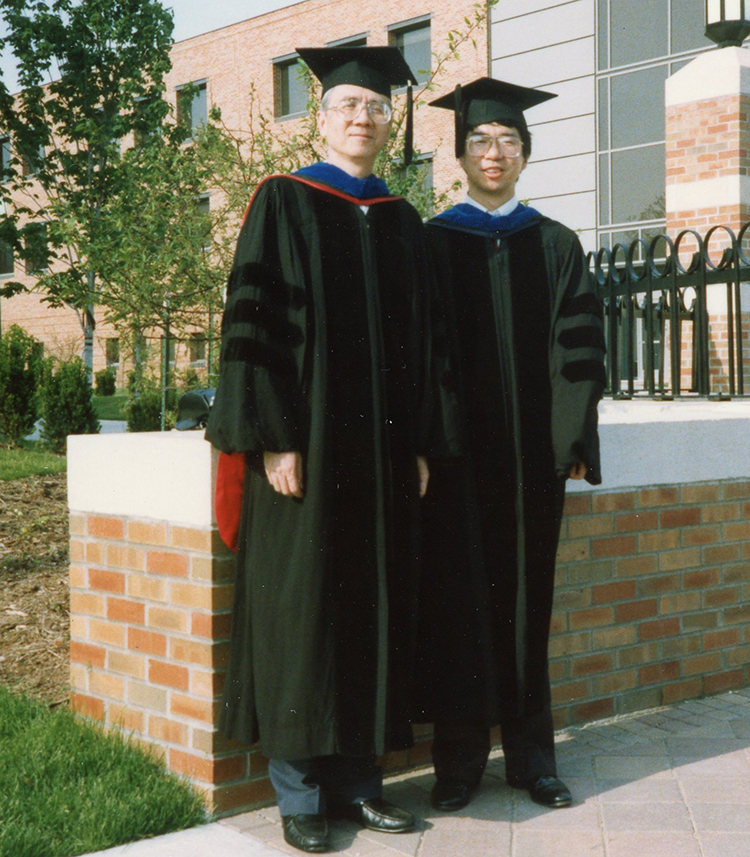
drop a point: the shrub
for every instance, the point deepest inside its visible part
(20, 370)
(67, 406)
(105, 382)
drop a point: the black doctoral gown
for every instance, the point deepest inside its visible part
(325, 344)
(529, 344)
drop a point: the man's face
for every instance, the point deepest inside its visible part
(493, 174)
(358, 139)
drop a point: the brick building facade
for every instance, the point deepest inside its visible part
(258, 54)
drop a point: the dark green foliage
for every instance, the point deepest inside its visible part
(67, 405)
(105, 382)
(144, 412)
(70, 788)
(20, 368)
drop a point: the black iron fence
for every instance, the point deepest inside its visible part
(673, 315)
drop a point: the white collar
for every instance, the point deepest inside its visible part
(506, 208)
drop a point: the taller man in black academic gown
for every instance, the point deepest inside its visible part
(529, 345)
(324, 387)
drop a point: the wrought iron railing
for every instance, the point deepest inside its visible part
(673, 315)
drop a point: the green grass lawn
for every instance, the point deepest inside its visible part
(68, 788)
(29, 460)
(110, 407)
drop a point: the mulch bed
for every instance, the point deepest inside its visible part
(34, 596)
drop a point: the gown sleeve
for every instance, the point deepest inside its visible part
(576, 358)
(259, 403)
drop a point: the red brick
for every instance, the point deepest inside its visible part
(108, 633)
(659, 628)
(87, 705)
(700, 536)
(593, 525)
(107, 581)
(676, 692)
(616, 546)
(723, 681)
(611, 592)
(105, 684)
(658, 673)
(167, 562)
(736, 490)
(125, 718)
(703, 493)
(718, 554)
(577, 551)
(196, 709)
(633, 656)
(571, 691)
(636, 521)
(132, 665)
(124, 556)
(721, 512)
(721, 597)
(577, 504)
(701, 621)
(168, 619)
(597, 709)
(105, 528)
(169, 675)
(85, 653)
(721, 639)
(590, 665)
(736, 573)
(680, 517)
(632, 610)
(615, 682)
(732, 615)
(232, 798)
(211, 625)
(596, 616)
(190, 538)
(736, 532)
(126, 611)
(658, 541)
(658, 497)
(672, 648)
(737, 657)
(148, 642)
(701, 579)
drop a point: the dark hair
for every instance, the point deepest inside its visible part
(523, 132)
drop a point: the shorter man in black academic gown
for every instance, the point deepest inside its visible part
(529, 347)
(323, 393)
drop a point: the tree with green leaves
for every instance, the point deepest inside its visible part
(20, 375)
(91, 73)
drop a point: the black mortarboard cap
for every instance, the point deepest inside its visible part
(375, 68)
(489, 100)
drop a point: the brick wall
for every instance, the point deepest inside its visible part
(652, 598)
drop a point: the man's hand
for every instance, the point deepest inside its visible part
(578, 471)
(284, 472)
(424, 474)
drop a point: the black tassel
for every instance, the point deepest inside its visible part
(459, 118)
(409, 132)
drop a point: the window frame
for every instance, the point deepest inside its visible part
(280, 65)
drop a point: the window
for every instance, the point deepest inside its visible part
(32, 160)
(203, 208)
(350, 42)
(192, 105)
(35, 246)
(636, 44)
(289, 87)
(197, 347)
(112, 352)
(6, 258)
(5, 156)
(412, 38)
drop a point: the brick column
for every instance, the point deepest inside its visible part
(150, 603)
(708, 173)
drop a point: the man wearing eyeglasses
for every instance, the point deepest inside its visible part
(323, 398)
(529, 346)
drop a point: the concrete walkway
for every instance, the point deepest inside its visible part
(672, 782)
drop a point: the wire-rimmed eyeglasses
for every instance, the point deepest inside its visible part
(379, 111)
(479, 145)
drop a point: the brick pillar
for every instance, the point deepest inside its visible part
(150, 603)
(708, 173)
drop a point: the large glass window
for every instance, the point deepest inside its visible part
(412, 38)
(290, 89)
(35, 244)
(636, 47)
(192, 105)
(6, 259)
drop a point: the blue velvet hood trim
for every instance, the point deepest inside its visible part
(469, 217)
(368, 188)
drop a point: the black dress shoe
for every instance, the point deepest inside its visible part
(549, 791)
(306, 832)
(380, 815)
(451, 795)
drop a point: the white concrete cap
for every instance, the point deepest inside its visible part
(165, 476)
(713, 74)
